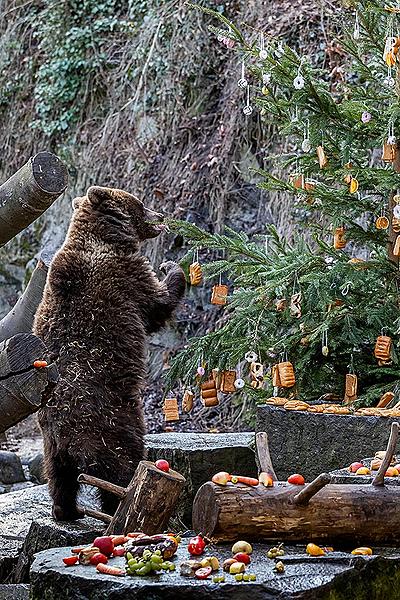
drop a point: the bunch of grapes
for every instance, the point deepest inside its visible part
(148, 563)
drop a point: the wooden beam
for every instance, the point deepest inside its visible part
(305, 495)
(29, 192)
(117, 490)
(96, 514)
(264, 457)
(379, 478)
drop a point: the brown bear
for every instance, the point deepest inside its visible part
(101, 301)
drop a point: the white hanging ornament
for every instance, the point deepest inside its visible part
(306, 145)
(266, 78)
(356, 31)
(389, 80)
(248, 109)
(396, 211)
(242, 82)
(263, 54)
(280, 51)
(239, 383)
(325, 348)
(298, 82)
(250, 357)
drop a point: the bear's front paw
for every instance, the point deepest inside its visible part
(62, 513)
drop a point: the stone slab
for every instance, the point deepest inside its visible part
(344, 476)
(26, 526)
(311, 443)
(198, 456)
(338, 576)
(14, 591)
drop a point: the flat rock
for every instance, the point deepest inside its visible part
(312, 443)
(26, 526)
(344, 475)
(338, 576)
(14, 591)
(11, 470)
(198, 456)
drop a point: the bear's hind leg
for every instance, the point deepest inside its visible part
(63, 487)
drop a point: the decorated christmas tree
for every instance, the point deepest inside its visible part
(317, 315)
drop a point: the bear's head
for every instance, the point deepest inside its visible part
(117, 216)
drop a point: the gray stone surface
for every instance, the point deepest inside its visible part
(311, 443)
(14, 592)
(337, 576)
(11, 470)
(198, 456)
(344, 475)
(20, 539)
(36, 468)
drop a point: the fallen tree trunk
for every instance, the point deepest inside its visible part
(343, 513)
(29, 192)
(23, 388)
(20, 318)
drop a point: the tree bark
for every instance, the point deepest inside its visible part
(23, 388)
(20, 318)
(344, 513)
(29, 192)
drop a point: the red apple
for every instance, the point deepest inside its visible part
(296, 479)
(104, 544)
(163, 465)
(355, 466)
(98, 558)
(242, 557)
(221, 478)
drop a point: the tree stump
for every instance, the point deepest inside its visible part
(20, 318)
(23, 388)
(145, 505)
(29, 192)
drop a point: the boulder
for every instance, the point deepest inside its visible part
(198, 456)
(26, 526)
(311, 443)
(338, 575)
(11, 470)
(35, 466)
(14, 591)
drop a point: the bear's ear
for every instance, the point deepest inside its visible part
(97, 195)
(76, 203)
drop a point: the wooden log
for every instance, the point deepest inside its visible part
(96, 514)
(264, 457)
(346, 513)
(20, 318)
(23, 388)
(305, 494)
(379, 478)
(117, 490)
(29, 192)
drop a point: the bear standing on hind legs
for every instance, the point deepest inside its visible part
(101, 301)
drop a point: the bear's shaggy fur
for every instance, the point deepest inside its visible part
(101, 301)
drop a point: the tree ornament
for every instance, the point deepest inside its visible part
(250, 357)
(295, 305)
(298, 82)
(239, 383)
(257, 375)
(383, 349)
(305, 145)
(266, 78)
(217, 376)
(200, 371)
(248, 109)
(396, 247)
(263, 54)
(396, 211)
(276, 380)
(353, 185)
(390, 146)
(228, 382)
(170, 409)
(219, 294)
(322, 159)
(195, 273)
(396, 198)
(286, 374)
(265, 90)
(396, 225)
(366, 117)
(209, 393)
(281, 304)
(385, 399)
(187, 401)
(382, 222)
(388, 53)
(356, 30)
(325, 348)
(339, 240)
(280, 51)
(242, 82)
(350, 391)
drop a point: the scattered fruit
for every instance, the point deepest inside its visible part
(70, 560)
(314, 550)
(246, 480)
(252, 577)
(98, 558)
(375, 464)
(162, 464)
(391, 472)
(363, 471)
(246, 577)
(86, 554)
(210, 561)
(221, 478)
(107, 570)
(120, 551)
(77, 550)
(242, 557)
(362, 551)
(397, 467)
(218, 579)
(119, 539)
(40, 364)
(276, 551)
(236, 567)
(353, 468)
(188, 567)
(105, 544)
(162, 543)
(196, 545)
(242, 546)
(296, 479)
(203, 573)
(227, 563)
(266, 479)
(239, 577)
(279, 567)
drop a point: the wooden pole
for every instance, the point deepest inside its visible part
(305, 495)
(29, 192)
(117, 490)
(23, 388)
(379, 478)
(96, 514)
(20, 318)
(345, 513)
(264, 457)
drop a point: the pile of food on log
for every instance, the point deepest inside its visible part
(333, 409)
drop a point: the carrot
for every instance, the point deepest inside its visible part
(40, 364)
(246, 480)
(76, 550)
(107, 570)
(119, 539)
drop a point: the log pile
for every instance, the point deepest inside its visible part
(319, 511)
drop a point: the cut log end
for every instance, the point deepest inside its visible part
(50, 173)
